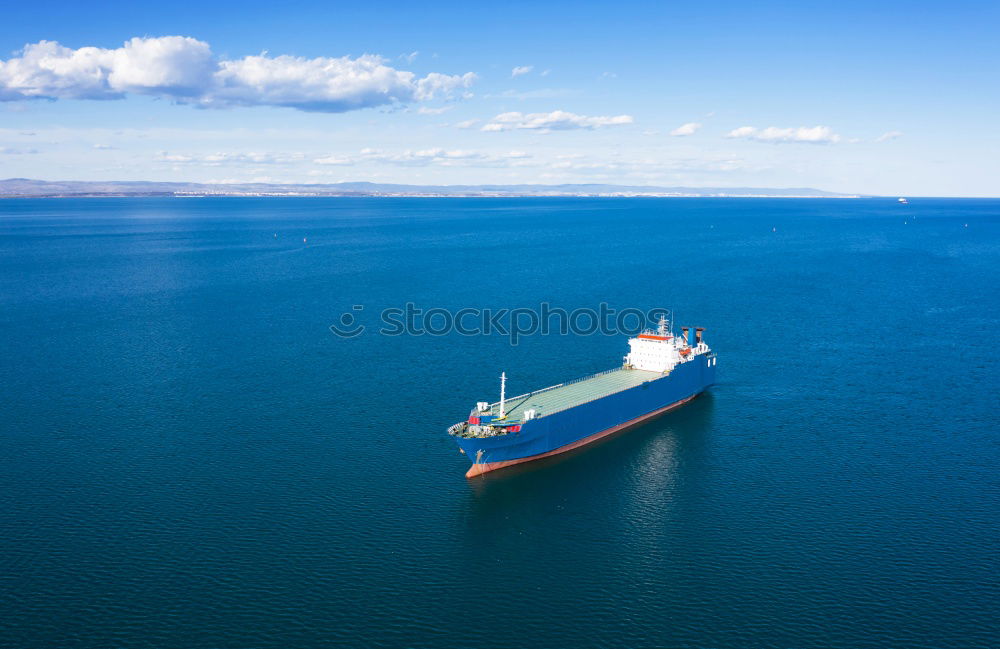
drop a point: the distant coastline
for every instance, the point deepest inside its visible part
(27, 188)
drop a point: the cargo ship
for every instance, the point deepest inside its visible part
(661, 372)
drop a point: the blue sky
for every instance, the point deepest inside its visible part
(885, 98)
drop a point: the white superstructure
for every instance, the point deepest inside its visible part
(660, 351)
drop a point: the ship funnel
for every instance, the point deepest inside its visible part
(698, 332)
(684, 333)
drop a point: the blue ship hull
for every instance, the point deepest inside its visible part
(590, 421)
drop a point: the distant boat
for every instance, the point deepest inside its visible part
(903, 200)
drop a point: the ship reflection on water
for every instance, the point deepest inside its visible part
(617, 512)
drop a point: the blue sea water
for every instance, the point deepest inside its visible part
(190, 458)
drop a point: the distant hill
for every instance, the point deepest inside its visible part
(24, 187)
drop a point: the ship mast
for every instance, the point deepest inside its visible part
(662, 328)
(503, 392)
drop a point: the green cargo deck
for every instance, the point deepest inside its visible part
(560, 397)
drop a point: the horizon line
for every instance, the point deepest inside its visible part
(715, 191)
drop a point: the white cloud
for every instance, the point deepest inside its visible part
(557, 120)
(537, 93)
(686, 129)
(455, 154)
(184, 70)
(411, 57)
(333, 160)
(435, 84)
(743, 131)
(654, 166)
(427, 157)
(173, 65)
(889, 135)
(812, 135)
(224, 158)
(9, 151)
(424, 110)
(469, 123)
(441, 157)
(520, 70)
